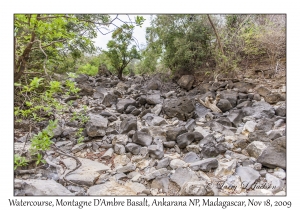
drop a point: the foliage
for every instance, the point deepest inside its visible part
(42, 141)
(181, 43)
(19, 161)
(120, 52)
(88, 69)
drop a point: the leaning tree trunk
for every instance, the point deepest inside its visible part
(120, 74)
(211, 104)
(216, 33)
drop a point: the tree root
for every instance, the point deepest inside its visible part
(211, 104)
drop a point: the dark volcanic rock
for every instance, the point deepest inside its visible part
(185, 139)
(205, 164)
(142, 138)
(259, 110)
(124, 103)
(133, 148)
(128, 124)
(224, 105)
(173, 132)
(186, 81)
(182, 108)
(96, 126)
(235, 116)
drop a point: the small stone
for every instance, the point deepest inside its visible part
(205, 164)
(108, 154)
(177, 163)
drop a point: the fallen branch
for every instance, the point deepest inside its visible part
(211, 104)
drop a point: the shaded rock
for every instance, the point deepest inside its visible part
(273, 134)
(128, 124)
(87, 174)
(182, 108)
(191, 157)
(259, 135)
(207, 139)
(249, 127)
(276, 183)
(279, 173)
(224, 105)
(246, 85)
(156, 151)
(209, 150)
(154, 120)
(273, 156)
(235, 117)
(186, 81)
(198, 188)
(157, 173)
(157, 109)
(185, 139)
(119, 149)
(226, 167)
(124, 103)
(81, 78)
(142, 138)
(110, 99)
(255, 148)
(78, 147)
(259, 109)
(177, 163)
(183, 175)
(110, 188)
(130, 167)
(224, 121)
(163, 163)
(161, 183)
(108, 154)
(96, 126)
(265, 124)
(190, 124)
(33, 187)
(85, 89)
(263, 91)
(273, 98)
(173, 132)
(201, 111)
(281, 111)
(133, 148)
(135, 186)
(205, 164)
(280, 142)
(153, 99)
(248, 176)
(169, 144)
(256, 97)
(230, 95)
(153, 85)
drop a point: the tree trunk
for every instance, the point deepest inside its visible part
(120, 74)
(218, 38)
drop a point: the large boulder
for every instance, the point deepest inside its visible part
(173, 132)
(274, 155)
(182, 108)
(142, 138)
(128, 124)
(153, 99)
(259, 110)
(96, 126)
(124, 103)
(263, 91)
(230, 95)
(154, 120)
(186, 81)
(224, 105)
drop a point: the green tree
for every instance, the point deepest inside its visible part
(42, 40)
(120, 50)
(184, 41)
